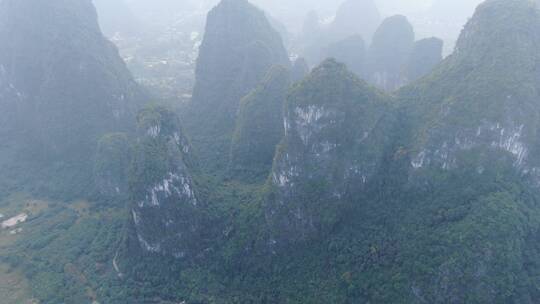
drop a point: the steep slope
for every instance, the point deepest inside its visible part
(486, 94)
(428, 197)
(238, 49)
(165, 205)
(473, 144)
(451, 216)
(391, 47)
(330, 151)
(64, 85)
(259, 127)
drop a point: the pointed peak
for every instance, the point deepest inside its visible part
(330, 83)
(395, 22)
(330, 66)
(235, 4)
(394, 29)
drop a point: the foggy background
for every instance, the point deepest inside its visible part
(290, 13)
(159, 39)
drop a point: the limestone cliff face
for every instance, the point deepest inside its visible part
(329, 152)
(473, 128)
(484, 98)
(165, 208)
(238, 49)
(430, 196)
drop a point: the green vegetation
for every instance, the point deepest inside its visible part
(14, 287)
(63, 251)
(374, 199)
(259, 127)
(239, 48)
(426, 196)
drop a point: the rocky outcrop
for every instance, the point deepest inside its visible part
(165, 205)
(426, 197)
(259, 127)
(328, 153)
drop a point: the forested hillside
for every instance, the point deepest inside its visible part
(395, 176)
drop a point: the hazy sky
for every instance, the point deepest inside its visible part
(441, 18)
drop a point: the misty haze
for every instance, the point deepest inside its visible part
(269, 151)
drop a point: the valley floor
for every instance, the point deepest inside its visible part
(52, 255)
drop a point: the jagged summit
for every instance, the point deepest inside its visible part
(165, 204)
(330, 151)
(423, 196)
(238, 49)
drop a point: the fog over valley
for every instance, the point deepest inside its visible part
(145, 30)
